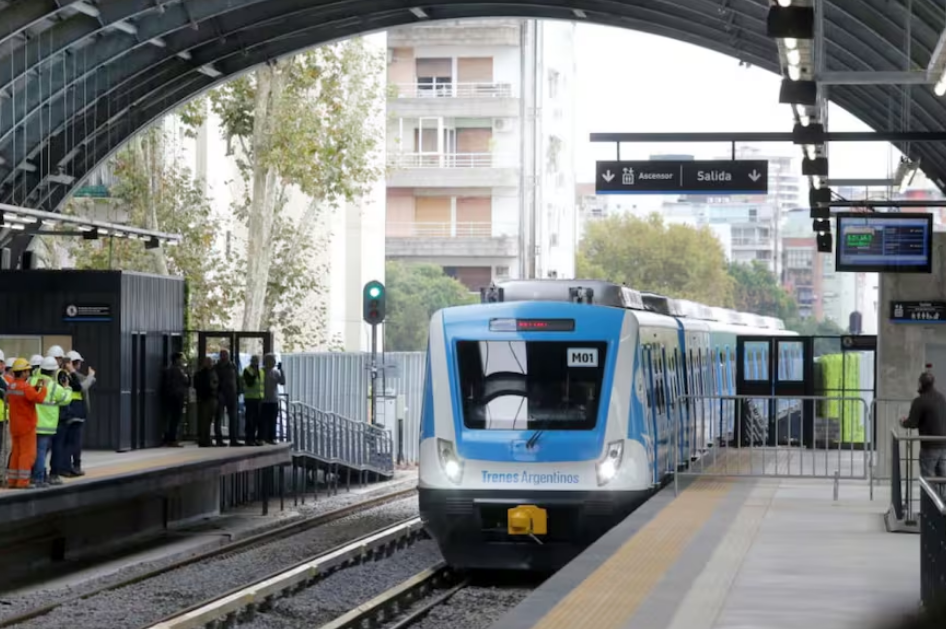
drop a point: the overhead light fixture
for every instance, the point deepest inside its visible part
(792, 22)
(814, 167)
(819, 197)
(794, 73)
(812, 134)
(125, 27)
(16, 217)
(419, 13)
(798, 93)
(785, 3)
(579, 13)
(906, 171)
(86, 8)
(821, 225)
(92, 234)
(793, 56)
(811, 151)
(209, 70)
(824, 242)
(820, 212)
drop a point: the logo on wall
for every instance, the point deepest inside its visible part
(75, 313)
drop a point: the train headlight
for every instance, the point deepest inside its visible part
(608, 467)
(449, 461)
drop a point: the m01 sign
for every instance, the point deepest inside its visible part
(582, 357)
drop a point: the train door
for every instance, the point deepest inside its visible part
(660, 437)
(775, 366)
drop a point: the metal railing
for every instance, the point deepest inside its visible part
(338, 440)
(764, 436)
(448, 229)
(453, 90)
(905, 494)
(932, 541)
(451, 160)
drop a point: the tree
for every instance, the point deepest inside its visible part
(297, 126)
(758, 291)
(415, 293)
(155, 192)
(646, 254)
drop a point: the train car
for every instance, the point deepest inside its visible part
(552, 411)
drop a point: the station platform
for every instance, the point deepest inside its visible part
(114, 477)
(737, 553)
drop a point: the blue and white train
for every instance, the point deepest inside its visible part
(550, 413)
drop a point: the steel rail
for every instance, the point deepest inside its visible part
(259, 539)
(245, 600)
(386, 606)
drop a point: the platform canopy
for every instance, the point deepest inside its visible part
(79, 77)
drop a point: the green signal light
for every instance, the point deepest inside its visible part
(374, 291)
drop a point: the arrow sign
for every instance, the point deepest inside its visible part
(683, 177)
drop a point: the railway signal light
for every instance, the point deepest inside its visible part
(374, 298)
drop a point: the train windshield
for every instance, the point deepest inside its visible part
(530, 385)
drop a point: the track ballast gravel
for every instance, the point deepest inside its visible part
(149, 601)
(346, 589)
(473, 607)
(13, 605)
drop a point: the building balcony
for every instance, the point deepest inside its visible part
(453, 100)
(487, 32)
(452, 170)
(451, 239)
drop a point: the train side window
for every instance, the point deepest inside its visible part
(648, 377)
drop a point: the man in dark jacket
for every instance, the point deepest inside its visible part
(928, 415)
(231, 387)
(207, 387)
(176, 387)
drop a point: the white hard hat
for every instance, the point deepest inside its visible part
(73, 355)
(49, 364)
(36, 360)
(2, 357)
(55, 351)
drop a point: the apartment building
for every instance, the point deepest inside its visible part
(479, 148)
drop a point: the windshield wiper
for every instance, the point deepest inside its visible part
(534, 439)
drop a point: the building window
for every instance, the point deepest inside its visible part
(502, 272)
(553, 83)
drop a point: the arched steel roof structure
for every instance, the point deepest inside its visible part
(79, 77)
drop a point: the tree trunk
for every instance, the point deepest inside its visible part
(155, 172)
(261, 215)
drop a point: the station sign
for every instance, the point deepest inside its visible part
(85, 313)
(918, 311)
(683, 177)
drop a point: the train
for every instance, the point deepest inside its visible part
(552, 410)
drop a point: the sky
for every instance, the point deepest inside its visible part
(635, 82)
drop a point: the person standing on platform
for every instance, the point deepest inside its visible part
(35, 361)
(207, 389)
(71, 464)
(253, 383)
(928, 415)
(229, 397)
(176, 385)
(22, 399)
(4, 424)
(269, 410)
(58, 394)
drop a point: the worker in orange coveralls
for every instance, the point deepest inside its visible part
(22, 399)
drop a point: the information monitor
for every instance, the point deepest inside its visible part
(884, 243)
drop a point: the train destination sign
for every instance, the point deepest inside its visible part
(918, 311)
(683, 177)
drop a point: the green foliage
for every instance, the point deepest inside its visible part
(646, 254)
(757, 291)
(296, 127)
(415, 293)
(157, 193)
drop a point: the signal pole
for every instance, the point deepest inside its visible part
(373, 312)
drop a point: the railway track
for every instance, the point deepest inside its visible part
(230, 549)
(242, 603)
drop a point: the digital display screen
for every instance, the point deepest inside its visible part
(878, 243)
(532, 325)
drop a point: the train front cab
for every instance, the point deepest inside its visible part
(769, 366)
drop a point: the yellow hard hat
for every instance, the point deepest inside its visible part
(20, 364)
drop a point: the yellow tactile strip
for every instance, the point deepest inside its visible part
(612, 594)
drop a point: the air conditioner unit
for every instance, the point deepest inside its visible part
(502, 124)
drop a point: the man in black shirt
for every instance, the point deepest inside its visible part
(207, 386)
(928, 415)
(177, 385)
(231, 386)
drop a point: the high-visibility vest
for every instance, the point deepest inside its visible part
(256, 391)
(4, 414)
(47, 412)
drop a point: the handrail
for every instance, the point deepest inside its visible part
(902, 477)
(934, 495)
(451, 160)
(932, 542)
(452, 90)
